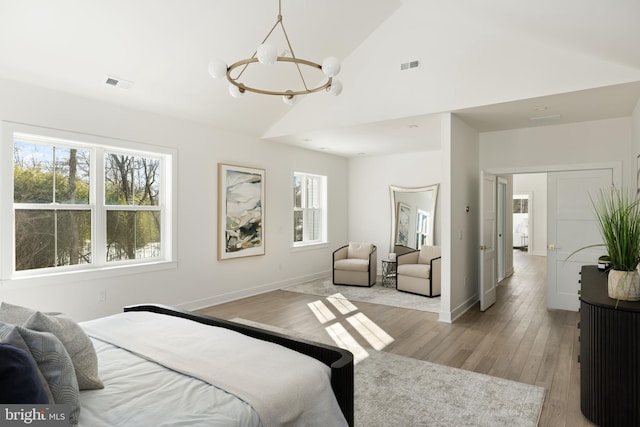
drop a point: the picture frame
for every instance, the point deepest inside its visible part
(241, 209)
(403, 217)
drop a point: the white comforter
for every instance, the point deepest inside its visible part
(284, 387)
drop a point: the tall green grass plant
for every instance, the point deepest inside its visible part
(618, 217)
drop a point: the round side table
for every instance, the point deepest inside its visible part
(389, 273)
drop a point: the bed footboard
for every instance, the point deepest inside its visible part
(340, 361)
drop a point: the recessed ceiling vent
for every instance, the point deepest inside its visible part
(409, 65)
(117, 82)
(549, 118)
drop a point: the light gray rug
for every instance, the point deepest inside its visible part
(392, 390)
(377, 294)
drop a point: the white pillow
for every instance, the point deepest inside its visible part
(359, 250)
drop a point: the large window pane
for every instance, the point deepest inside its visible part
(48, 174)
(297, 191)
(133, 235)
(49, 238)
(298, 231)
(35, 239)
(132, 181)
(32, 173)
(71, 175)
(146, 176)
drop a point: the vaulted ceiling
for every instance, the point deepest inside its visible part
(498, 64)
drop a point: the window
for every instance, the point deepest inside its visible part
(309, 209)
(520, 204)
(80, 205)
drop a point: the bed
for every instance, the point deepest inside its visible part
(162, 366)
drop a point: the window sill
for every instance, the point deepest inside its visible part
(309, 246)
(56, 278)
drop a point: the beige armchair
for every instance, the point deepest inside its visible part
(419, 272)
(355, 264)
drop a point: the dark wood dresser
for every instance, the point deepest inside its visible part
(609, 354)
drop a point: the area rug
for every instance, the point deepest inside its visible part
(392, 390)
(377, 294)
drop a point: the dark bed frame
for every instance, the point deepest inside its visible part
(340, 361)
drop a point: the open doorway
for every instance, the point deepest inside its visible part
(530, 213)
(521, 222)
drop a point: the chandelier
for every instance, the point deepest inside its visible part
(266, 55)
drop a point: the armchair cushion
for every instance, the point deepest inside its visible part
(415, 270)
(427, 253)
(359, 250)
(352, 264)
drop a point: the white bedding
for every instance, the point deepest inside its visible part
(284, 387)
(139, 392)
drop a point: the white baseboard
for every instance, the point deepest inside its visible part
(450, 317)
(236, 295)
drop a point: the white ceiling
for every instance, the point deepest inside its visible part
(495, 63)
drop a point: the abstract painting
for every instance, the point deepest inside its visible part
(241, 193)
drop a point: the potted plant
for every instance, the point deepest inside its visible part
(618, 219)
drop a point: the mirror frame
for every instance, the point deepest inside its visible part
(392, 192)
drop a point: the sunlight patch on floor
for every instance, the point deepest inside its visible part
(345, 340)
(343, 305)
(321, 311)
(370, 331)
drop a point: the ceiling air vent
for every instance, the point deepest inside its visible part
(409, 65)
(121, 83)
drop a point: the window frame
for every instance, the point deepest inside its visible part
(323, 189)
(98, 147)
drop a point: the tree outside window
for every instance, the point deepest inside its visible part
(79, 204)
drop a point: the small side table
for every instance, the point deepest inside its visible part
(389, 273)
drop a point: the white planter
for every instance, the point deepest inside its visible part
(624, 285)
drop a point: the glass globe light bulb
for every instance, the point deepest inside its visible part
(267, 54)
(336, 87)
(331, 66)
(235, 91)
(217, 68)
(289, 99)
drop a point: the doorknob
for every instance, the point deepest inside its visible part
(553, 248)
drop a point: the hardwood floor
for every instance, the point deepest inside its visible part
(518, 338)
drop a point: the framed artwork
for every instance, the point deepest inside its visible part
(402, 224)
(241, 193)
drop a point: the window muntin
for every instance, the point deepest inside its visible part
(309, 209)
(65, 216)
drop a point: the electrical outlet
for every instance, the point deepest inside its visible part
(102, 296)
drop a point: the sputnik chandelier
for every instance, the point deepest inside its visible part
(267, 55)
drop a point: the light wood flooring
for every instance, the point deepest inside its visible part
(518, 338)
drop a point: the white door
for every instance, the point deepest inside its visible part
(503, 208)
(488, 218)
(571, 225)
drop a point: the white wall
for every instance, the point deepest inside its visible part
(540, 149)
(463, 229)
(536, 186)
(199, 279)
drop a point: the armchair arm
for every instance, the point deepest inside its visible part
(436, 272)
(340, 253)
(408, 258)
(373, 266)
